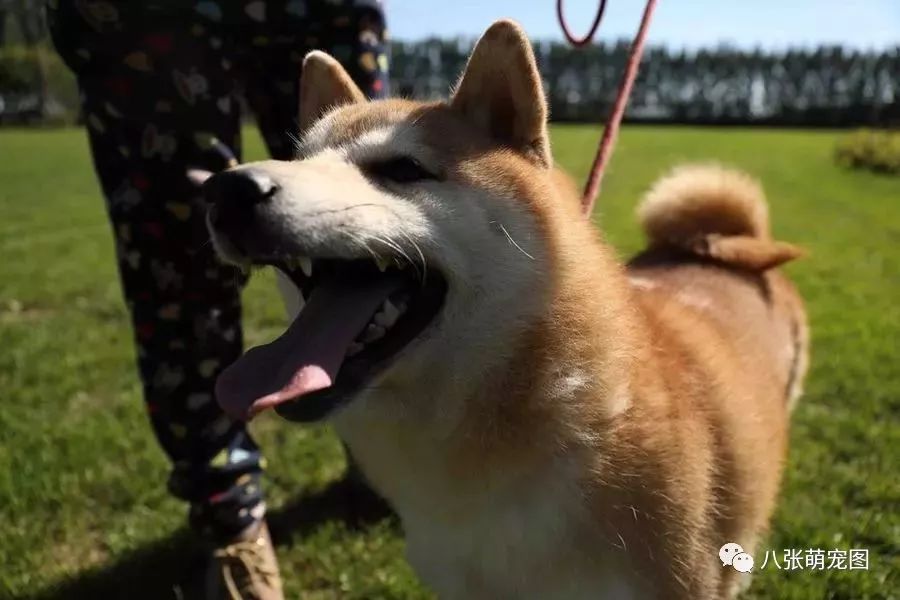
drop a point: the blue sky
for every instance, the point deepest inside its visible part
(770, 24)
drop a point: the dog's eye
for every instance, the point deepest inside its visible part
(403, 169)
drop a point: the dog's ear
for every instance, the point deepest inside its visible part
(324, 84)
(501, 92)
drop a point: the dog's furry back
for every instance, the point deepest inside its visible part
(728, 326)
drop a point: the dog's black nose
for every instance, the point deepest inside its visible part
(234, 196)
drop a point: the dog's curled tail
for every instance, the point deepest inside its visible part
(714, 212)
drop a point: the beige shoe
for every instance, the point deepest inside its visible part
(245, 569)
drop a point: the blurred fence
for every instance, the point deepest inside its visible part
(828, 86)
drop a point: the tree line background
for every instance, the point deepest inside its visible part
(827, 86)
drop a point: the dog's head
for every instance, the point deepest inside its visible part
(411, 228)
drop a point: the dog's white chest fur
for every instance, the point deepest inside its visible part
(487, 551)
(524, 550)
(530, 537)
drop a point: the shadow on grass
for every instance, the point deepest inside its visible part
(172, 568)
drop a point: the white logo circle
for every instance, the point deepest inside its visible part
(728, 552)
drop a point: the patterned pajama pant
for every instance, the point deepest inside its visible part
(162, 85)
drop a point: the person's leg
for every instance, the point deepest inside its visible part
(272, 52)
(154, 101)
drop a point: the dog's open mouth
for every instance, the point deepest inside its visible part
(358, 316)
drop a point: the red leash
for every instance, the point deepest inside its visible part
(579, 42)
(611, 130)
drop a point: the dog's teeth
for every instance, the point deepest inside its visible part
(355, 348)
(373, 333)
(305, 264)
(386, 320)
(388, 314)
(381, 263)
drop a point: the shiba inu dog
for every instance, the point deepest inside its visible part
(547, 422)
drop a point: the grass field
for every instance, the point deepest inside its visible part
(84, 509)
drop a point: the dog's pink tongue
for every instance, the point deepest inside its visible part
(307, 356)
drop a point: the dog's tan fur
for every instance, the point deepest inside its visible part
(569, 427)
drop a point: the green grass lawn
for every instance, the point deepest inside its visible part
(84, 509)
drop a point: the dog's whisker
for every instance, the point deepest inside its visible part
(511, 240)
(399, 250)
(413, 243)
(361, 242)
